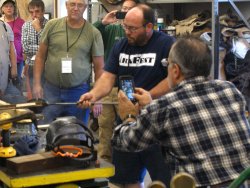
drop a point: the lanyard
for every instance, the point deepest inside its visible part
(68, 47)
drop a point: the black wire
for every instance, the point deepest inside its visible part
(68, 47)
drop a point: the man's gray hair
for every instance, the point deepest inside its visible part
(193, 56)
(85, 1)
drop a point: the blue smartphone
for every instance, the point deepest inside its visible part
(126, 84)
(120, 15)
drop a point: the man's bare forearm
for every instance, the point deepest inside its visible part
(103, 85)
(160, 89)
(13, 59)
(39, 63)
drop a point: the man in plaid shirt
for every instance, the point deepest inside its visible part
(201, 124)
(31, 32)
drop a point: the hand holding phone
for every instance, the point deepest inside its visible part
(120, 15)
(126, 84)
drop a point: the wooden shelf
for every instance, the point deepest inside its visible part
(215, 25)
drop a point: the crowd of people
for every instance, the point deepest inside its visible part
(26, 41)
(182, 120)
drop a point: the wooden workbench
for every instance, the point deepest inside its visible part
(56, 176)
(19, 177)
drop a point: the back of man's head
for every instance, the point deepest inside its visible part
(193, 56)
(36, 3)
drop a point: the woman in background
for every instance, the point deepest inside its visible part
(9, 15)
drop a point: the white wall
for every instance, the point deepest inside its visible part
(49, 6)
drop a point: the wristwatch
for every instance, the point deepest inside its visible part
(129, 118)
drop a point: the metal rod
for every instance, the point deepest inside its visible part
(18, 106)
(39, 104)
(105, 103)
(215, 38)
(76, 103)
(239, 13)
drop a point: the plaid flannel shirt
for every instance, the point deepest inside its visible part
(201, 125)
(31, 39)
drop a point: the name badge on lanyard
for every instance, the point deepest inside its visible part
(66, 65)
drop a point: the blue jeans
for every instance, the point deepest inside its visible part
(20, 69)
(30, 73)
(54, 94)
(13, 95)
(130, 167)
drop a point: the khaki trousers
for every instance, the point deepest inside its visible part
(106, 125)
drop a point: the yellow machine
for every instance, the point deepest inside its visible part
(7, 118)
(5, 149)
(67, 176)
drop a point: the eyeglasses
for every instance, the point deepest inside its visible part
(78, 5)
(131, 28)
(165, 62)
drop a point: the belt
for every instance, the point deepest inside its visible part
(62, 87)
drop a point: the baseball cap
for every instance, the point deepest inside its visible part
(8, 1)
